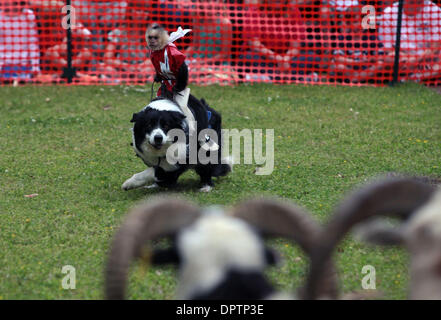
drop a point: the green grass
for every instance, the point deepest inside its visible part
(70, 145)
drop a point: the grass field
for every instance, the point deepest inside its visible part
(70, 145)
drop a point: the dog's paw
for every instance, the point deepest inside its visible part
(206, 188)
(139, 179)
(131, 183)
(128, 185)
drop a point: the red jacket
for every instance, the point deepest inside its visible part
(167, 62)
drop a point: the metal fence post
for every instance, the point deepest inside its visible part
(397, 44)
(69, 72)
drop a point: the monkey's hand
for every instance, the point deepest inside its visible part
(157, 78)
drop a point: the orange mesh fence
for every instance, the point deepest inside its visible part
(349, 42)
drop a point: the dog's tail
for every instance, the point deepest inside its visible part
(223, 168)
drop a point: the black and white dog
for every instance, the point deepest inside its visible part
(151, 140)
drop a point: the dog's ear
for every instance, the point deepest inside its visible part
(177, 116)
(134, 117)
(179, 119)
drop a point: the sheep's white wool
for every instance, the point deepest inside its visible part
(213, 245)
(164, 105)
(429, 214)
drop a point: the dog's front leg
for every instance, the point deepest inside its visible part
(205, 174)
(139, 179)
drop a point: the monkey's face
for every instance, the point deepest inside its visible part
(155, 40)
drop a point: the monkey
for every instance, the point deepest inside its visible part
(168, 61)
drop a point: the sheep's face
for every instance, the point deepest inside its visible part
(213, 247)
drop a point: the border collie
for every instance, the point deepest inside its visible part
(151, 141)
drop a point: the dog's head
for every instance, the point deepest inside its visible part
(152, 125)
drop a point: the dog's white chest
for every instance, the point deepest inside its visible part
(153, 160)
(167, 166)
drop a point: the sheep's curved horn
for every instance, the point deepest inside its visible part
(159, 218)
(277, 218)
(398, 197)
